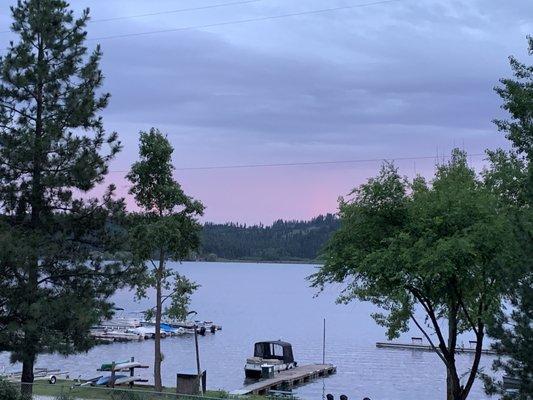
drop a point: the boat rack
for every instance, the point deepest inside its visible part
(130, 366)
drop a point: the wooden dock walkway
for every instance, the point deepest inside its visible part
(426, 347)
(287, 379)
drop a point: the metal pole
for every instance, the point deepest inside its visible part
(324, 343)
(198, 359)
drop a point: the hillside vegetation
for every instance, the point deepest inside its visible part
(281, 241)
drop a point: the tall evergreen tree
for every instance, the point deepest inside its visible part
(165, 229)
(54, 281)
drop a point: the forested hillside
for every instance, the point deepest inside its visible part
(282, 241)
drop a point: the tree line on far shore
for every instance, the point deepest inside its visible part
(281, 241)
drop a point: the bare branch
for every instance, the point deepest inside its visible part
(435, 349)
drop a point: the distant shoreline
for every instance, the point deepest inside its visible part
(238, 261)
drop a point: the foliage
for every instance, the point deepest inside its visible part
(517, 96)
(281, 241)
(442, 248)
(55, 283)
(8, 391)
(511, 177)
(166, 227)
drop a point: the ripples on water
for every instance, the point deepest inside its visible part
(256, 302)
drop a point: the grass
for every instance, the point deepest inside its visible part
(43, 388)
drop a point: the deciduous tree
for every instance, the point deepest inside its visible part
(439, 249)
(167, 228)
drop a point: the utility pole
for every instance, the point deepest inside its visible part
(324, 343)
(198, 369)
(197, 352)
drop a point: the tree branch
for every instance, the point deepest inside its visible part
(467, 314)
(431, 314)
(439, 353)
(477, 358)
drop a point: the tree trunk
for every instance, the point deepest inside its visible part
(26, 382)
(453, 385)
(29, 352)
(158, 311)
(477, 358)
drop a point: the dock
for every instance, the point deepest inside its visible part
(287, 379)
(426, 347)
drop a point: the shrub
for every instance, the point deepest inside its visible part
(8, 391)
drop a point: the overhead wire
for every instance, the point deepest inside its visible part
(176, 11)
(243, 21)
(311, 163)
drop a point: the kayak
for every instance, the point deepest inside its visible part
(127, 365)
(126, 379)
(108, 366)
(106, 380)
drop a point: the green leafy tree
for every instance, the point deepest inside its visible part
(434, 250)
(55, 282)
(167, 228)
(511, 177)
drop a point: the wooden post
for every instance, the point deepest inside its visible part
(132, 372)
(113, 374)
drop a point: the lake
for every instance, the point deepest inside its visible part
(256, 302)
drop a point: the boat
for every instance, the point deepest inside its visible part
(201, 327)
(88, 382)
(126, 380)
(120, 366)
(274, 356)
(116, 335)
(106, 380)
(147, 332)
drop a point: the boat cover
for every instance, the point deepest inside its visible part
(276, 349)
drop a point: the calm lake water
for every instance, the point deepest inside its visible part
(273, 301)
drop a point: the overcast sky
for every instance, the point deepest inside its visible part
(409, 78)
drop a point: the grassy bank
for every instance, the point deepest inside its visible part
(42, 388)
(66, 387)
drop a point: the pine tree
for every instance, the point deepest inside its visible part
(55, 283)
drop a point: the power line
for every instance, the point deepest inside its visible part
(242, 21)
(176, 11)
(295, 164)
(179, 10)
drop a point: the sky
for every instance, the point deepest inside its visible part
(366, 80)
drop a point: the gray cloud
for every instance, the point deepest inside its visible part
(390, 80)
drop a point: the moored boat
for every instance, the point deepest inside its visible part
(269, 356)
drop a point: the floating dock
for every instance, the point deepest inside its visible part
(287, 379)
(426, 347)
